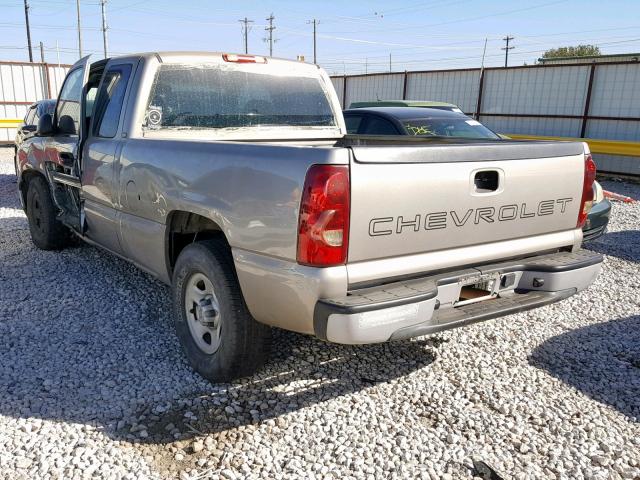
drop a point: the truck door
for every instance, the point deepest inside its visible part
(100, 155)
(63, 146)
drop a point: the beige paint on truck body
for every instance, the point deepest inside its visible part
(416, 208)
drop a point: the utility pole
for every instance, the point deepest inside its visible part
(104, 27)
(79, 34)
(26, 17)
(245, 33)
(270, 29)
(41, 53)
(390, 70)
(315, 23)
(506, 49)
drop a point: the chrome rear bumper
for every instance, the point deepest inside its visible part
(429, 304)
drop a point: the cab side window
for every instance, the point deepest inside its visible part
(379, 126)
(111, 100)
(68, 108)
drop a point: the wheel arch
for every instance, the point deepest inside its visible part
(23, 183)
(184, 228)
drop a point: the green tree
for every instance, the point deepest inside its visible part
(576, 51)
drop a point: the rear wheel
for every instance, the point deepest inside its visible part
(220, 338)
(47, 232)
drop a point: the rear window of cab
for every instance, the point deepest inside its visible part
(218, 96)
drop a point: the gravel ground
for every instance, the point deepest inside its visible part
(93, 383)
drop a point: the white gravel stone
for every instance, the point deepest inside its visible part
(93, 382)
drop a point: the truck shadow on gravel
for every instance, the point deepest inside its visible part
(9, 191)
(302, 372)
(87, 338)
(602, 361)
(622, 244)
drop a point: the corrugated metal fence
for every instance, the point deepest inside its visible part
(600, 101)
(21, 84)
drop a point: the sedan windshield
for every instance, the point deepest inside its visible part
(449, 127)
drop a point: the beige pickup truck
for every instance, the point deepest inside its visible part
(231, 178)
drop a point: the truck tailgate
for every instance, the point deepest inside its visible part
(408, 200)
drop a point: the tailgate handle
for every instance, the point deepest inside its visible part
(486, 181)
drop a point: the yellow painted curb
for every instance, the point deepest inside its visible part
(608, 147)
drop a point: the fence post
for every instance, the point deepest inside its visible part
(404, 86)
(480, 89)
(45, 66)
(344, 92)
(587, 101)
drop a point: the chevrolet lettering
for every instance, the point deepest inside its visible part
(438, 220)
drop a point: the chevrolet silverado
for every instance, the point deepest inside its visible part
(232, 179)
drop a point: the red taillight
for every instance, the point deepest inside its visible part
(236, 58)
(587, 189)
(323, 225)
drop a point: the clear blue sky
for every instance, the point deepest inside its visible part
(352, 35)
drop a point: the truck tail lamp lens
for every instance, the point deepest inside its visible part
(587, 190)
(232, 57)
(323, 226)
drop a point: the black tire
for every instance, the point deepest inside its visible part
(244, 344)
(47, 232)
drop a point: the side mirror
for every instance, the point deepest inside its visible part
(45, 125)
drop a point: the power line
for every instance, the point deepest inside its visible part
(46, 27)
(245, 33)
(26, 17)
(506, 49)
(471, 40)
(270, 28)
(358, 55)
(404, 26)
(418, 6)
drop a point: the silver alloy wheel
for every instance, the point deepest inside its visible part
(203, 313)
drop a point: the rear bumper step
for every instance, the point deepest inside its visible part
(429, 304)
